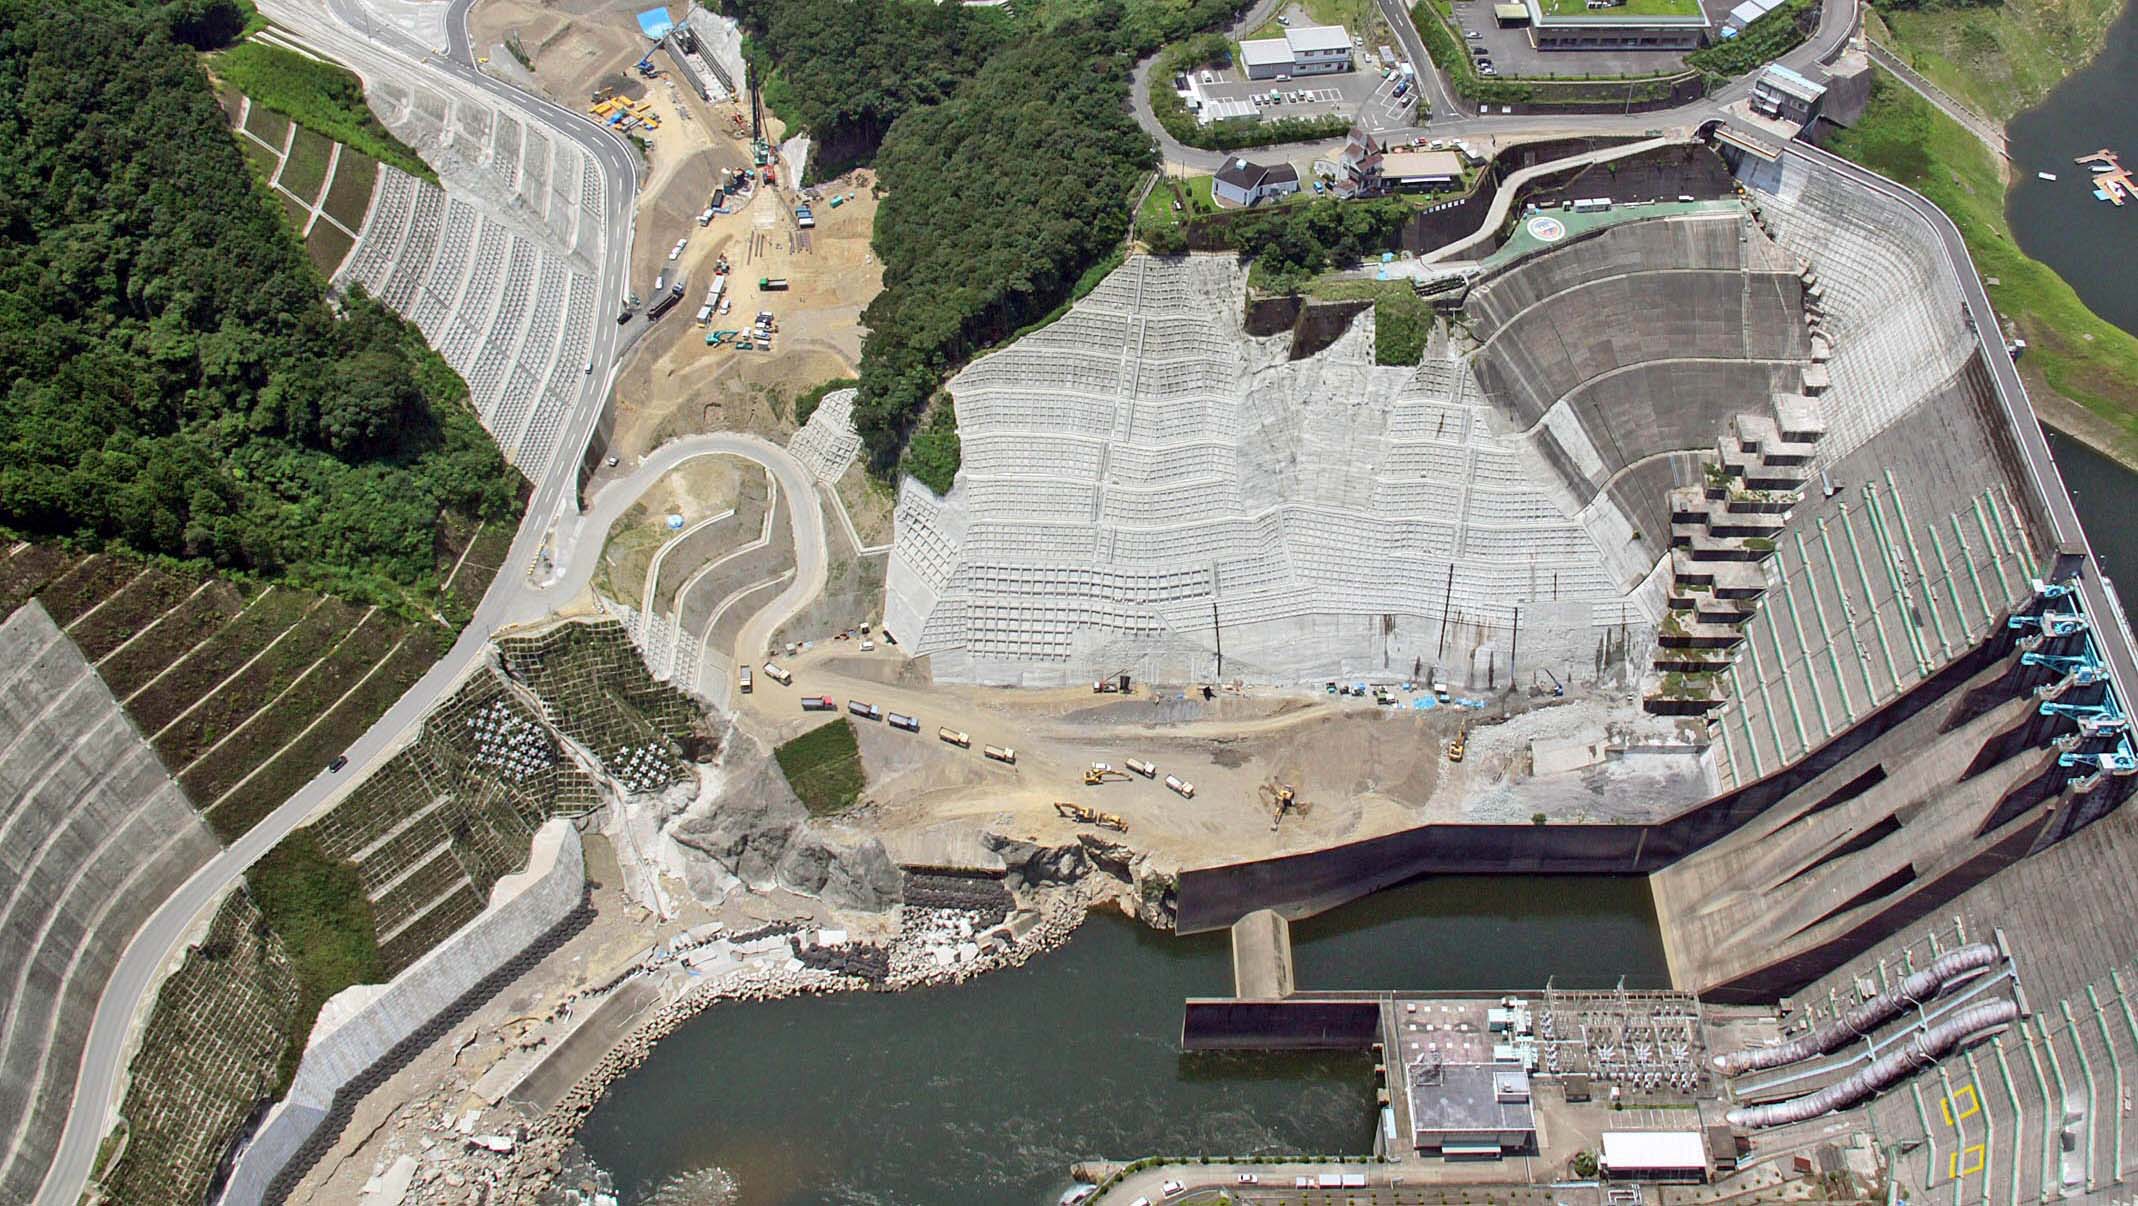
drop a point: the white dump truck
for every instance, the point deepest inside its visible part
(1181, 787)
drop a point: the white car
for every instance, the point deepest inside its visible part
(1172, 1189)
(1249, 1179)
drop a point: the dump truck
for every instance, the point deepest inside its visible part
(1000, 753)
(1181, 787)
(743, 680)
(665, 302)
(864, 710)
(1143, 768)
(778, 675)
(954, 737)
(901, 721)
(771, 284)
(819, 703)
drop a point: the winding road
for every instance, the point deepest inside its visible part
(377, 48)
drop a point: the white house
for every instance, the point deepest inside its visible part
(1306, 50)
(1243, 184)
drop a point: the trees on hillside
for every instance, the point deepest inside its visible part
(174, 377)
(995, 201)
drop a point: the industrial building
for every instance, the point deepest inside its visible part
(1653, 1156)
(1744, 15)
(1602, 26)
(1242, 183)
(1470, 1111)
(1785, 95)
(1306, 50)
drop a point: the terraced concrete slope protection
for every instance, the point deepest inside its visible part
(96, 834)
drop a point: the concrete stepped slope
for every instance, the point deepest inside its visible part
(1626, 353)
(1144, 463)
(94, 833)
(497, 267)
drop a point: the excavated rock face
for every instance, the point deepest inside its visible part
(1031, 865)
(1112, 857)
(749, 827)
(759, 833)
(857, 877)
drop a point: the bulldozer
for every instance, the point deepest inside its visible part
(1281, 798)
(1100, 774)
(1460, 746)
(1090, 816)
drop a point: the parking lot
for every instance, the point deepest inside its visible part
(1512, 54)
(1308, 96)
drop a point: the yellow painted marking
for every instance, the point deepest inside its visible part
(1966, 1162)
(1955, 1111)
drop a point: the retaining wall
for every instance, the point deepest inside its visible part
(377, 1023)
(1300, 885)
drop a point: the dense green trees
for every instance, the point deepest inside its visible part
(846, 71)
(174, 377)
(996, 200)
(1294, 242)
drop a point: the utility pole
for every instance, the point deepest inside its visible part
(1514, 643)
(1446, 597)
(1217, 633)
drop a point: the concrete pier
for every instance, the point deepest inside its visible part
(1262, 956)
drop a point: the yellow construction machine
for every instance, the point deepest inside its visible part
(1090, 816)
(1281, 798)
(1100, 774)
(1460, 746)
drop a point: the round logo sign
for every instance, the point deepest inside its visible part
(1546, 229)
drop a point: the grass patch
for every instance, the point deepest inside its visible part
(350, 195)
(2073, 351)
(316, 905)
(327, 246)
(823, 766)
(2001, 59)
(305, 171)
(318, 96)
(1402, 320)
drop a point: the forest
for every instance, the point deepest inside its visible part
(1007, 162)
(177, 381)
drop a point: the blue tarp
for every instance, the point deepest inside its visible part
(654, 22)
(1425, 704)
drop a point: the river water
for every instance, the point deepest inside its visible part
(988, 1091)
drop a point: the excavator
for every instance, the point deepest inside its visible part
(1090, 816)
(1460, 746)
(1100, 774)
(1281, 798)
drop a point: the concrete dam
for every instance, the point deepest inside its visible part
(1772, 446)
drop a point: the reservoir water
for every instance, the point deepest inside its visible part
(987, 1092)
(2090, 243)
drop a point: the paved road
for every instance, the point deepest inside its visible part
(1451, 119)
(344, 30)
(1989, 131)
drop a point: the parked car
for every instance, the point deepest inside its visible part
(1487, 69)
(1472, 34)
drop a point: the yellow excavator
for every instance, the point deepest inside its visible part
(1460, 746)
(1281, 798)
(1090, 816)
(1100, 774)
